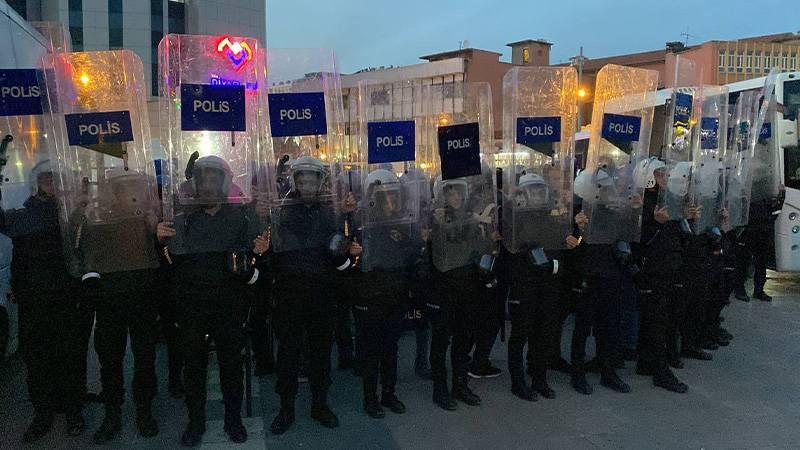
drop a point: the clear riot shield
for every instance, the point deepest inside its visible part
(680, 128)
(22, 126)
(305, 113)
(101, 133)
(212, 90)
(738, 159)
(461, 131)
(389, 205)
(766, 176)
(620, 138)
(538, 128)
(709, 143)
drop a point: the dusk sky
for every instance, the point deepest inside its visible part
(379, 33)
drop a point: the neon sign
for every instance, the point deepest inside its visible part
(238, 52)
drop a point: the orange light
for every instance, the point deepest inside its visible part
(582, 93)
(84, 79)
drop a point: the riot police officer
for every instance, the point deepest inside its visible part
(212, 246)
(48, 300)
(119, 282)
(302, 228)
(660, 253)
(392, 247)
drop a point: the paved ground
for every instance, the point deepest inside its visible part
(748, 397)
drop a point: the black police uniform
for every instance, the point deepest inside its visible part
(754, 245)
(452, 312)
(52, 318)
(382, 301)
(534, 309)
(660, 255)
(305, 307)
(212, 305)
(116, 258)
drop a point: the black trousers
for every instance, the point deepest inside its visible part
(119, 314)
(212, 313)
(168, 322)
(343, 332)
(661, 315)
(52, 330)
(699, 293)
(535, 321)
(456, 321)
(753, 245)
(378, 329)
(304, 326)
(261, 329)
(492, 309)
(598, 311)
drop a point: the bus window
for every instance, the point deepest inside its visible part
(791, 99)
(791, 156)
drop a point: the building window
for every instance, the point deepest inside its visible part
(115, 24)
(156, 33)
(76, 24)
(739, 63)
(757, 61)
(785, 61)
(176, 11)
(793, 62)
(526, 56)
(730, 62)
(749, 63)
(20, 6)
(721, 60)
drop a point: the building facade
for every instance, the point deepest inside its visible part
(139, 25)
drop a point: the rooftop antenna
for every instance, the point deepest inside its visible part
(686, 36)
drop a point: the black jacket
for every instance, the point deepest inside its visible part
(38, 264)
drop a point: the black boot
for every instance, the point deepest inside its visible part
(111, 426)
(285, 418)
(323, 414)
(761, 295)
(664, 378)
(234, 427)
(611, 380)
(42, 422)
(519, 387)
(578, 379)
(373, 407)
(441, 396)
(539, 384)
(462, 392)
(147, 425)
(695, 352)
(193, 434)
(389, 400)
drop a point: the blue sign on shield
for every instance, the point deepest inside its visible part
(709, 133)
(459, 150)
(100, 127)
(206, 107)
(390, 141)
(297, 114)
(20, 94)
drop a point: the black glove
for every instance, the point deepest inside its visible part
(541, 262)
(339, 249)
(624, 257)
(241, 265)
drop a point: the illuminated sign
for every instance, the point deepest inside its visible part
(237, 52)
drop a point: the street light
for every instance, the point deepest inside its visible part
(582, 93)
